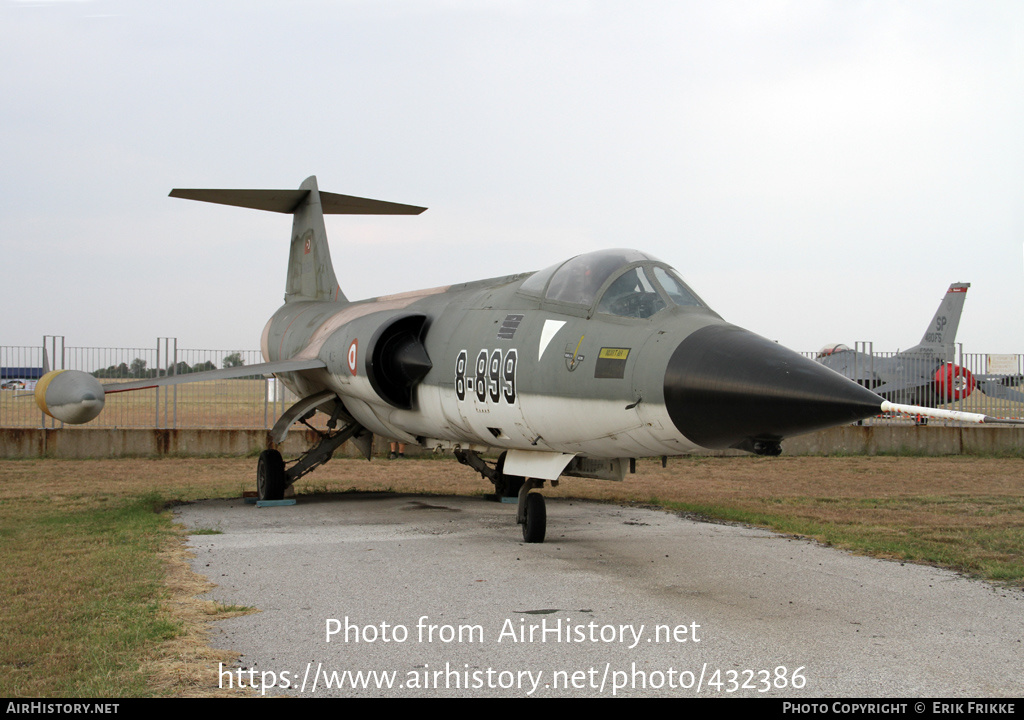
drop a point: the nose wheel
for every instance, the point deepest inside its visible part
(532, 513)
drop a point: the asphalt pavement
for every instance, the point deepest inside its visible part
(377, 595)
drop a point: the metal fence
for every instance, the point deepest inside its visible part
(973, 382)
(989, 384)
(253, 402)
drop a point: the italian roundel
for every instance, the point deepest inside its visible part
(353, 355)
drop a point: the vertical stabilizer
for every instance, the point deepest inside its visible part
(310, 272)
(940, 337)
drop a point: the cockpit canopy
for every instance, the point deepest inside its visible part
(626, 283)
(833, 349)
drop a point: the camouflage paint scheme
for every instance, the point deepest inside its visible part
(573, 370)
(510, 366)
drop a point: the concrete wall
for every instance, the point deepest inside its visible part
(909, 440)
(76, 443)
(79, 443)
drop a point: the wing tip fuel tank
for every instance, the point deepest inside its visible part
(71, 396)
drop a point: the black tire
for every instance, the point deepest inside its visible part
(536, 523)
(270, 476)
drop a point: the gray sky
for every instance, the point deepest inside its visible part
(817, 171)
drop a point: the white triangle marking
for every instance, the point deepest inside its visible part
(550, 329)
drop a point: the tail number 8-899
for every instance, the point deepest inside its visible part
(492, 377)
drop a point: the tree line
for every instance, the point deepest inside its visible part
(138, 368)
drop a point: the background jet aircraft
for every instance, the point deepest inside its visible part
(573, 370)
(925, 374)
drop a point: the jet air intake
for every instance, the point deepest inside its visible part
(397, 360)
(726, 387)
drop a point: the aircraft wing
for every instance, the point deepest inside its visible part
(994, 387)
(222, 374)
(896, 387)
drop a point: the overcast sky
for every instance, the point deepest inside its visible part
(817, 171)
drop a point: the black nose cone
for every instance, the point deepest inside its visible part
(726, 387)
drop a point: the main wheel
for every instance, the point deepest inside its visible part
(270, 476)
(536, 522)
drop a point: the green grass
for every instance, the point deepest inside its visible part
(97, 599)
(868, 526)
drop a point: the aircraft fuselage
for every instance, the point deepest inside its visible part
(512, 368)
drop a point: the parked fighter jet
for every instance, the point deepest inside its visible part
(926, 374)
(573, 370)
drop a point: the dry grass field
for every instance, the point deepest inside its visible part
(97, 599)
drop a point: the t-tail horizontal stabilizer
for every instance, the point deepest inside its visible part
(310, 270)
(288, 201)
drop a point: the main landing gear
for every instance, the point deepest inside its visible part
(531, 511)
(272, 478)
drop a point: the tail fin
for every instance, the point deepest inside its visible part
(940, 336)
(310, 272)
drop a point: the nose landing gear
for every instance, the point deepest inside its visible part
(531, 511)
